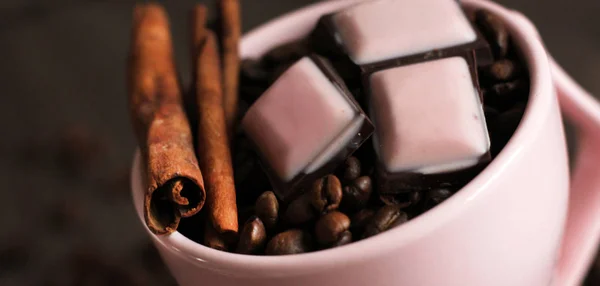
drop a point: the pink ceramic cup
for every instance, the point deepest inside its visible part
(518, 223)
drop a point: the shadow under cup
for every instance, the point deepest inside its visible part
(503, 228)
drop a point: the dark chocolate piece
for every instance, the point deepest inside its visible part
(407, 181)
(288, 190)
(479, 48)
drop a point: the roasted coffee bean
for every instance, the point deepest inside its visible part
(330, 227)
(437, 196)
(503, 96)
(396, 200)
(401, 200)
(213, 239)
(400, 220)
(345, 238)
(360, 220)
(357, 194)
(504, 126)
(300, 210)
(384, 219)
(326, 194)
(351, 169)
(252, 237)
(292, 241)
(415, 197)
(502, 70)
(494, 31)
(267, 209)
(507, 88)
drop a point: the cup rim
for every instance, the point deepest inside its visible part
(541, 98)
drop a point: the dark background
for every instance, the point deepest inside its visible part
(67, 144)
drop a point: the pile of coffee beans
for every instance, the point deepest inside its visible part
(345, 206)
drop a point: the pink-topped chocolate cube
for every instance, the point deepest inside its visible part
(306, 120)
(381, 30)
(429, 118)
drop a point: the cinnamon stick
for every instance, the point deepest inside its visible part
(231, 29)
(173, 181)
(199, 18)
(213, 145)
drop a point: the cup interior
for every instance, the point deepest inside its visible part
(298, 24)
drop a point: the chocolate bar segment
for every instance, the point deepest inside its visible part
(389, 32)
(304, 125)
(430, 122)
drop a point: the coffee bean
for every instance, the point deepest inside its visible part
(395, 200)
(436, 196)
(326, 194)
(415, 197)
(504, 127)
(401, 200)
(330, 227)
(503, 96)
(252, 237)
(351, 169)
(494, 31)
(345, 238)
(300, 210)
(400, 220)
(213, 239)
(292, 241)
(360, 220)
(507, 88)
(502, 70)
(384, 219)
(267, 209)
(357, 194)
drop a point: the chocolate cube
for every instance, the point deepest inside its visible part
(430, 125)
(394, 32)
(305, 125)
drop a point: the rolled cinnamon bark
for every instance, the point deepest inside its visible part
(231, 28)
(214, 155)
(173, 181)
